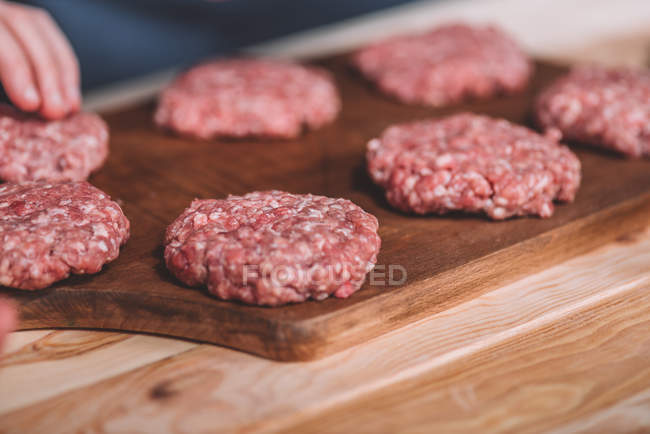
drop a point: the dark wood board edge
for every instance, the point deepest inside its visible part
(315, 338)
(483, 275)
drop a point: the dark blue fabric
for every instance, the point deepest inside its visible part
(120, 39)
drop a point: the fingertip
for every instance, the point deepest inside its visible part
(8, 320)
(31, 98)
(26, 99)
(73, 97)
(53, 114)
(53, 107)
(8, 316)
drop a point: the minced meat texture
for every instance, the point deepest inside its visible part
(248, 97)
(473, 163)
(599, 106)
(446, 65)
(50, 230)
(272, 248)
(33, 149)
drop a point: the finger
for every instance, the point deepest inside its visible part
(64, 56)
(7, 319)
(16, 74)
(22, 25)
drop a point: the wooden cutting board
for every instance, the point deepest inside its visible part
(448, 259)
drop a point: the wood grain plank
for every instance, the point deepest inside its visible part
(211, 388)
(57, 345)
(532, 382)
(449, 260)
(22, 339)
(58, 361)
(631, 415)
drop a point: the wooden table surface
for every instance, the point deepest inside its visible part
(564, 350)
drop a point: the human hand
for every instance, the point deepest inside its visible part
(38, 67)
(7, 320)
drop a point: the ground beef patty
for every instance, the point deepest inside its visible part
(446, 65)
(600, 106)
(473, 163)
(48, 231)
(271, 248)
(34, 149)
(248, 97)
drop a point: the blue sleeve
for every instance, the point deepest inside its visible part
(119, 39)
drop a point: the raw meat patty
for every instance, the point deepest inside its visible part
(473, 163)
(600, 106)
(48, 231)
(248, 97)
(271, 248)
(446, 65)
(34, 149)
